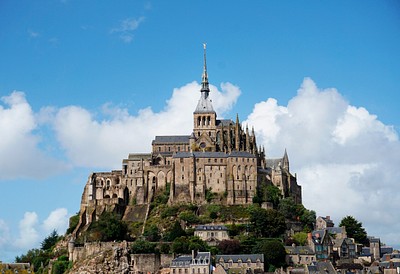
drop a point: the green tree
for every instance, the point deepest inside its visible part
(73, 222)
(143, 247)
(300, 238)
(175, 232)
(108, 227)
(184, 245)
(274, 254)
(267, 223)
(49, 242)
(307, 218)
(288, 208)
(354, 229)
(152, 233)
(189, 217)
(60, 265)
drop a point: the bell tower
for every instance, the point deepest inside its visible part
(204, 117)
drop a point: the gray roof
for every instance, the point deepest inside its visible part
(214, 154)
(273, 162)
(183, 260)
(177, 139)
(225, 122)
(243, 257)
(321, 267)
(211, 227)
(334, 230)
(186, 260)
(301, 250)
(204, 105)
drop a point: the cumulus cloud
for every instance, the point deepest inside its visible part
(28, 234)
(19, 145)
(31, 231)
(346, 159)
(57, 220)
(103, 143)
(127, 27)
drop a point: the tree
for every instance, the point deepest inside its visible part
(267, 223)
(184, 245)
(354, 229)
(229, 246)
(175, 232)
(143, 247)
(300, 238)
(49, 242)
(274, 254)
(288, 208)
(108, 227)
(152, 234)
(73, 222)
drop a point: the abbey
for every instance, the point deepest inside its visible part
(218, 162)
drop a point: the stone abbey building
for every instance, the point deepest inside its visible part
(219, 157)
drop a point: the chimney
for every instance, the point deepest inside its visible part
(194, 254)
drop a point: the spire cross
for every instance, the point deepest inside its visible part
(205, 76)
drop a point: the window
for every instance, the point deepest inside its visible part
(183, 177)
(169, 148)
(179, 149)
(181, 160)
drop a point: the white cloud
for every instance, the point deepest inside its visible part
(127, 27)
(57, 220)
(28, 234)
(346, 159)
(20, 155)
(89, 142)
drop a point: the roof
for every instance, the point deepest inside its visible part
(211, 227)
(321, 267)
(183, 260)
(225, 122)
(204, 105)
(334, 230)
(213, 154)
(243, 257)
(273, 162)
(300, 250)
(176, 139)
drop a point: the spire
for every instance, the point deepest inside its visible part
(204, 105)
(204, 81)
(285, 160)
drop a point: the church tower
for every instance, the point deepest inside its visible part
(204, 116)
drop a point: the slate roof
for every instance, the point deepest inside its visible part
(176, 139)
(321, 267)
(334, 230)
(211, 227)
(301, 250)
(243, 257)
(204, 105)
(181, 261)
(186, 260)
(273, 162)
(225, 122)
(206, 154)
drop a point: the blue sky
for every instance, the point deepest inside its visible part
(84, 83)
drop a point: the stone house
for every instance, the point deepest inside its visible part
(321, 243)
(299, 255)
(212, 234)
(241, 264)
(197, 263)
(323, 222)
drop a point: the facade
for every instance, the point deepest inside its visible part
(241, 264)
(218, 157)
(212, 234)
(197, 263)
(323, 222)
(299, 255)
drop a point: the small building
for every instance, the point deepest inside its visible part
(323, 222)
(197, 263)
(241, 264)
(212, 234)
(299, 255)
